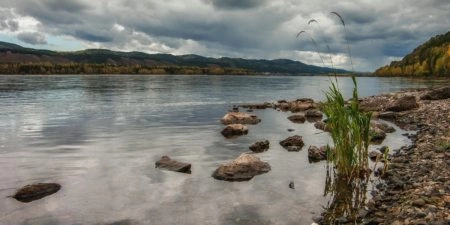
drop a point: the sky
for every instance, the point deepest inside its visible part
(375, 33)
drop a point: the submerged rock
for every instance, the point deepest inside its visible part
(316, 154)
(168, 164)
(260, 146)
(291, 185)
(297, 118)
(234, 130)
(243, 168)
(404, 103)
(293, 144)
(239, 118)
(37, 191)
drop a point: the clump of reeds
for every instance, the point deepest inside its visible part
(349, 131)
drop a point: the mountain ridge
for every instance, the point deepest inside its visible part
(33, 61)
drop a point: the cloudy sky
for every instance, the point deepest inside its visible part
(378, 31)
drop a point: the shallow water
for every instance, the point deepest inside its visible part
(99, 137)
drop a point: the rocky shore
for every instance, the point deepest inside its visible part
(416, 188)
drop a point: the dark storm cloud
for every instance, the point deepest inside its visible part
(236, 4)
(34, 38)
(377, 30)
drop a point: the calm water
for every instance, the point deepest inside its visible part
(99, 137)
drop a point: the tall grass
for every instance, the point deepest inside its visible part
(349, 131)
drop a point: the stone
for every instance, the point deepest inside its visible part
(316, 154)
(232, 130)
(297, 118)
(382, 126)
(264, 105)
(294, 143)
(314, 113)
(404, 103)
(172, 165)
(418, 202)
(376, 135)
(290, 130)
(260, 146)
(291, 185)
(36, 191)
(389, 115)
(322, 126)
(437, 94)
(384, 149)
(239, 118)
(374, 156)
(243, 168)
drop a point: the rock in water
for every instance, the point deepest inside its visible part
(37, 191)
(291, 185)
(239, 118)
(316, 154)
(234, 130)
(294, 143)
(260, 146)
(168, 164)
(298, 118)
(243, 168)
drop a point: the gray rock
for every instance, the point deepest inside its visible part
(314, 113)
(243, 168)
(172, 165)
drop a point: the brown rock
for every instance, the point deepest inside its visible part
(437, 94)
(168, 164)
(404, 103)
(314, 113)
(374, 156)
(234, 130)
(418, 202)
(239, 118)
(243, 168)
(297, 118)
(376, 135)
(316, 154)
(37, 191)
(382, 126)
(322, 126)
(294, 143)
(260, 146)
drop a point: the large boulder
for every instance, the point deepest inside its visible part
(404, 103)
(168, 164)
(437, 94)
(260, 146)
(293, 144)
(37, 191)
(234, 130)
(297, 118)
(316, 154)
(239, 118)
(243, 168)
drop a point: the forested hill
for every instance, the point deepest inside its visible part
(429, 59)
(15, 59)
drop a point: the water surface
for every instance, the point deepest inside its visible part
(99, 136)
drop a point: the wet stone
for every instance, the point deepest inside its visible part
(260, 146)
(37, 191)
(172, 165)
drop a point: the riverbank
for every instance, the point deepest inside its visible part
(416, 188)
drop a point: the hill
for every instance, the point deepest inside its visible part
(15, 59)
(429, 59)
